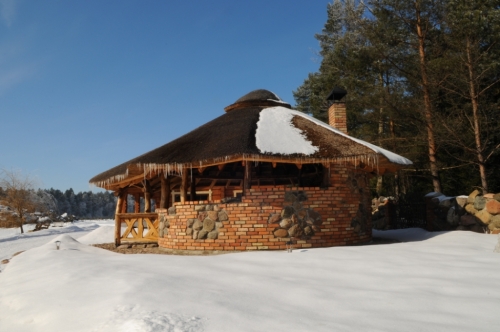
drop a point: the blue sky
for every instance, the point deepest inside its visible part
(87, 85)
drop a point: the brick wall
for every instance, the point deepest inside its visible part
(344, 208)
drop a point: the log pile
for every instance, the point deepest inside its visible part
(380, 212)
(476, 212)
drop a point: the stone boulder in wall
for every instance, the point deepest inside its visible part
(197, 225)
(295, 231)
(208, 225)
(281, 233)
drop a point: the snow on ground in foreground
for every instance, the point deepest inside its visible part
(12, 241)
(103, 234)
(443, 281)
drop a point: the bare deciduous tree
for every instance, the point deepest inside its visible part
(19, 194)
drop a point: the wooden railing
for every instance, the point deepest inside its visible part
(141, 227)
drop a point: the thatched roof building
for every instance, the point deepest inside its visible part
(287, 175)
(257, 127)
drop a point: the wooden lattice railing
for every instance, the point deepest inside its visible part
(141, 227)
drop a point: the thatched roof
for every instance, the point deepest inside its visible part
(234, 135)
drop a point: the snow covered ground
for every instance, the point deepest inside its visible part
(445, 281)
(12, 241)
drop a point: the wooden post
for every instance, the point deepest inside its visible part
(184, 186)
(118, 226)
(193, 187)
(247, 180)
(168, 194)
(124, 203)
(164, 194)
(137, 203)
(147, 197)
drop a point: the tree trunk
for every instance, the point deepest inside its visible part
(475, 117)
(427, 101)
(380, 178)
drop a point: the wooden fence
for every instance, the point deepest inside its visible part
(141, 228)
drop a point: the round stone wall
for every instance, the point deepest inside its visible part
(269, 217)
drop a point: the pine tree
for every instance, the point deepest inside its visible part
(472, 65)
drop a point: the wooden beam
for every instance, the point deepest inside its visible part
(201, 169)
(184, 186)
(137, 203)
(147, 196)
(247, 180)
(164, 194)
(124, 203)
(133, 190)
(118, 225)
(299, 166)
(254, 177)
(124, 183)
(168, 194)
(134, 177)
(119, 203)
(155, 200)
(193, 187)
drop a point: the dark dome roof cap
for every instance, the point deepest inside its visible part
(260, 97)
(260, 94)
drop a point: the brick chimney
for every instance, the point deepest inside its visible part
(337, 117)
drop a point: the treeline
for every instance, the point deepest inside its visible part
(423, 81)
(82, 205)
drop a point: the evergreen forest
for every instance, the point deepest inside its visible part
(422, 78)
(83, 205)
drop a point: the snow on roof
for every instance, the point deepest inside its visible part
(272, 136)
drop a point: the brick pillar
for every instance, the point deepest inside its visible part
(337, 116)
